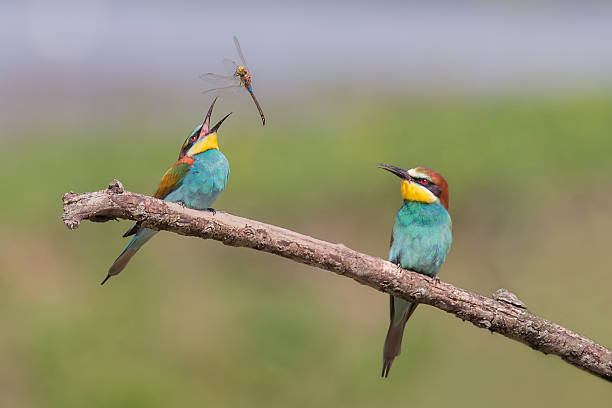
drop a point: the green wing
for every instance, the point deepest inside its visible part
(170, 181)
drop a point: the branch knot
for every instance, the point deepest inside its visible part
(116, 187)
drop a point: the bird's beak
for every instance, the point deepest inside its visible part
(204, 130)
(218, 125)
(401, 173)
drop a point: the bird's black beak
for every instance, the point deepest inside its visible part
(216, 127)
(206, 129)
(401, 173)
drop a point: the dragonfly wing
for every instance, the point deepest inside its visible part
(226, 79)
(209, 76)
(233, 88)
(240, 53)
(229, 66)
(220, 82)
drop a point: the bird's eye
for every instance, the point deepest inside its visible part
(193, 138)
(423, 181)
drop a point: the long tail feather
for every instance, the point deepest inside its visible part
(130, 250)
(401, 311)
(133, 230)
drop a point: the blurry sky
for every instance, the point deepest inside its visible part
(62, 56)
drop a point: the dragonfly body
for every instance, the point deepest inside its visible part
(195, 181)
(245, 77)
(240, 78)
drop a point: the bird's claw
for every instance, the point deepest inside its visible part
(212, 210)
(436, 280)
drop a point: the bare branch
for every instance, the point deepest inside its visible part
(505, 316)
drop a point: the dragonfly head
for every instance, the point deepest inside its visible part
(241, 71)
(203, 136)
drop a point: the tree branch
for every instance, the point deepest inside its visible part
(506, 315)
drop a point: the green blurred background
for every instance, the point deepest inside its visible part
(195, 323)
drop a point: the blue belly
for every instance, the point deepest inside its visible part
(421, 237)
(204, 182)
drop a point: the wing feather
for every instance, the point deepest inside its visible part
(173, 178)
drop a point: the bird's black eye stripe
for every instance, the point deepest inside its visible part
(434, 188)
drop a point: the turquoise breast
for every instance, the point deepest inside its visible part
(204, 182)
(421, 237)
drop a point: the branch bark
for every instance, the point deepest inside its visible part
(505, 316)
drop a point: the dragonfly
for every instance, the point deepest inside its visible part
(239, 77)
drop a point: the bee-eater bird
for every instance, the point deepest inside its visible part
(420, 241)
(195, 181)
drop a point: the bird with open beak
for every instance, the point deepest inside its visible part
(195, 181)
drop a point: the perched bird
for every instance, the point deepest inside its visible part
(420, 241)
(195, 181)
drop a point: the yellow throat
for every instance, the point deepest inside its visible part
(209, 142)
(414, 192)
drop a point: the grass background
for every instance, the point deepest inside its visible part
(194, 323)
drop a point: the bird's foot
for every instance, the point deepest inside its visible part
(436, 280)
(182, 204)
(212, 210)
